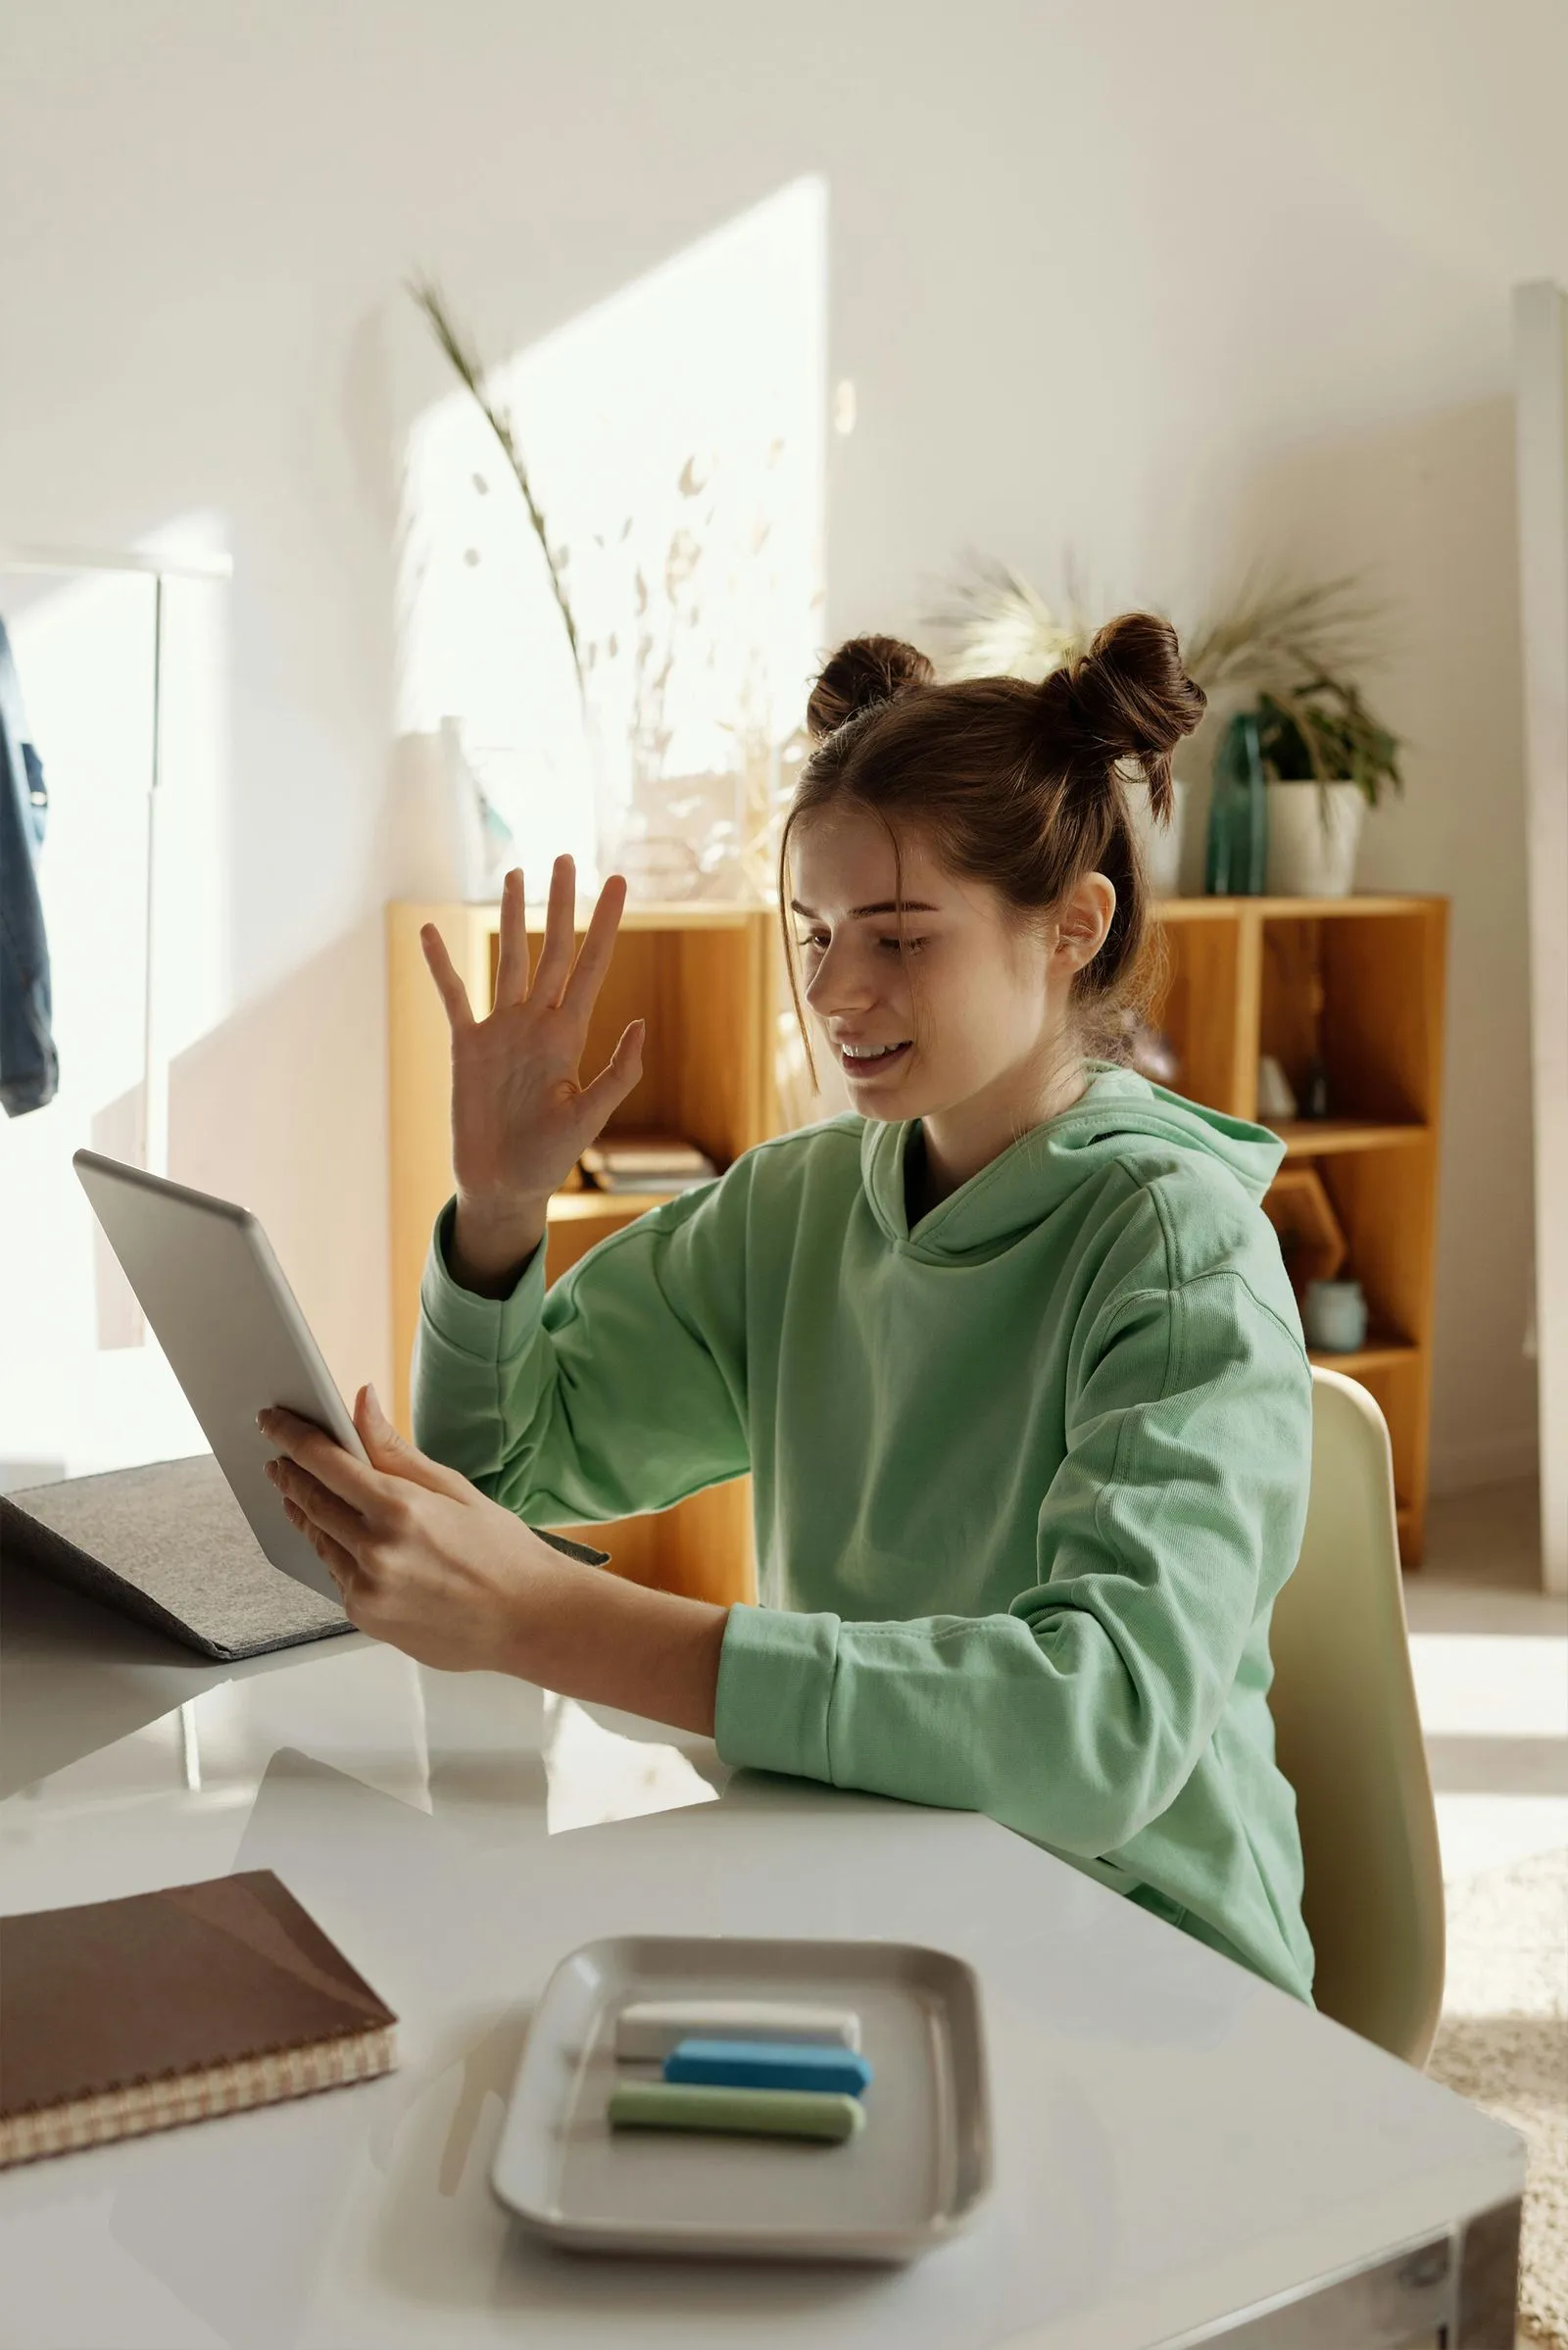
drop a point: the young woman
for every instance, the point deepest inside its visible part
(1008, 1350)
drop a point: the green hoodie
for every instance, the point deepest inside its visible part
(1026, 1479)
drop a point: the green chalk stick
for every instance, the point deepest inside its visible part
(748, 2112)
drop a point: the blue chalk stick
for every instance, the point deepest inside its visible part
(768, 2065)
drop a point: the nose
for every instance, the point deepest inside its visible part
(842, 982)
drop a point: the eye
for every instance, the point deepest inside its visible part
(914, 946)
(814, 937)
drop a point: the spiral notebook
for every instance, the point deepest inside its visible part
(122, 2017)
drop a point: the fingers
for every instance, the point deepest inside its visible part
(602, 1099)
(365, 1488)
(555, 960)
(454, 995)
(338, 1562)
(390, 1451)
(597, 946)
(323, 1513)
(512, 967)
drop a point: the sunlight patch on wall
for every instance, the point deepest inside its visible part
(674, 440)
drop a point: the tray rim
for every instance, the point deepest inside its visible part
(699, 2238)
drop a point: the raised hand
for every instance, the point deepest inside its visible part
(520, 1112)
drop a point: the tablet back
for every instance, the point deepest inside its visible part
(235, 1339)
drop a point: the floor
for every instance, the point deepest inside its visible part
(1489, 1650)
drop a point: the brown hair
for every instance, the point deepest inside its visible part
(1012, 784)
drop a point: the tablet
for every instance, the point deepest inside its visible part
(234, 1335)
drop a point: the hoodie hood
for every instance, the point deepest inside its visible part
(1119, 1118)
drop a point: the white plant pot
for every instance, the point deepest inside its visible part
(441, 847)
(432, 832)
(1162, 844)
(1314, 830)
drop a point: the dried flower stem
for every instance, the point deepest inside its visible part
(467, 365)
(1277, 636)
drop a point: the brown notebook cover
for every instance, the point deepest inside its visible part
(126, 2016)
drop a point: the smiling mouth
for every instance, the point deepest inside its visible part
(871, 1064)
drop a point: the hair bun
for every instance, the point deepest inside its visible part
(865, 671)
(1128, 697)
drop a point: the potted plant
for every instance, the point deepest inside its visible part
(1321, 735)
(1277, 659)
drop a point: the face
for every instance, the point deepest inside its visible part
(971, 1018)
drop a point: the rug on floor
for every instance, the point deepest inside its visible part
(1504, 2044)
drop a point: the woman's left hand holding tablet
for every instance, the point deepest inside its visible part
(423, 1559)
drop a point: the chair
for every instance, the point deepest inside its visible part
(1348, 1740)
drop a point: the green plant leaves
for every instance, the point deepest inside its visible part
(1325, 733)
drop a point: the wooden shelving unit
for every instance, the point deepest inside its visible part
(1322, 1138)
(701, 977)
(1243, 975)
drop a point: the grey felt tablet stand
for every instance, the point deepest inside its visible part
(169, 1544)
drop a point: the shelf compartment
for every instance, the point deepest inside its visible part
(1311, 1242)
(1383, 1202)
(577, 1221)
(1395, 1373)
(1229, 910)
(1321, 1138)
(604, 1207)
(1384, 1351)
(1207, 1004)
(700, 1547)
(702, 988)
(1365, 997)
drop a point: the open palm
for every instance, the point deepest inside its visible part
(520, 1112)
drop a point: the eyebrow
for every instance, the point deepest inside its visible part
(889, 906)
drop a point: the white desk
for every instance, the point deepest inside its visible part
(1176, 2142)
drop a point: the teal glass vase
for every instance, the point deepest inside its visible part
(1237, 813)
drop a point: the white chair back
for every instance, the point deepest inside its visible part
(1348, 1740)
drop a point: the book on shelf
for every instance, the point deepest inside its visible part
(650, 1183)
(646, 1162)
(127, 2016)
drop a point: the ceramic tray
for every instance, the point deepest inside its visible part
(909, 2180)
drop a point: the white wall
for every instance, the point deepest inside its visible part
(1166, 285)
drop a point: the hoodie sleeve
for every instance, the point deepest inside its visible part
(1078, 1715)
(621, 1390)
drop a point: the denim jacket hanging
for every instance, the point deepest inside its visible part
(30, 1066)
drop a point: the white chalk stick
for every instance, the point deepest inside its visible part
(650, 2029)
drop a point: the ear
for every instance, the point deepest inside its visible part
(1083, 919)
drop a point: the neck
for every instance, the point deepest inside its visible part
(968, 1135)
